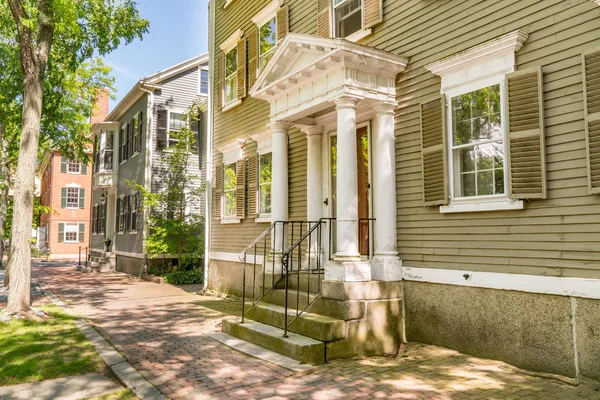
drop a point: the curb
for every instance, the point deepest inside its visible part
(118, 365)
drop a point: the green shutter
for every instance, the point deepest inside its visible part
(433, 152)
(61, 232)
(63, 164)
(591, 87)
(63, 198)
(84, 168)
(82, 198)
(526, 145)
(81, 233)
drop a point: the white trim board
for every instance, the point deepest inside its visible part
(552, 285)
(233, 257)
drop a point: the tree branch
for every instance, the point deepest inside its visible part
(26, 45)
(45, 34)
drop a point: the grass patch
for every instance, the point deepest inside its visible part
(118, 395)
(32, 351)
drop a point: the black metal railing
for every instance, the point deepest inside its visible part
(264, 256)
(88, 249)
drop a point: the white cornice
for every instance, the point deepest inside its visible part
(232, 151)
(506, 44)
(231, 41)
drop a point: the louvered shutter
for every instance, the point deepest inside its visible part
(61, 232)
(283, 23)
(140, 131)
(240, 192)
(130, 140)
(526, 158)
(324, 19)
(121, 138)
(63, 198)
(161, 129)
(81, 233)
(252, 56)
(241, 72)
(591, 87)
(118, 215)
(218, 191)
(95, 219)
(81, 198)
(63, 164)
(84, 168)
(220, 77)
(433, 152)
(372, 12)
(252, 187)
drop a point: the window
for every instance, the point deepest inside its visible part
(120, 215)
(72, 197)
(71, 232)
(348, 17)
(477, 143)
(133, 205)
(267, 41)
(231, 78)
(203, 81)
(73, 167)
(103, 158)
(177, 122)
(229, 190)
(135, 127)
(265, 164)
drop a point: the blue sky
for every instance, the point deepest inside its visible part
(178, 31)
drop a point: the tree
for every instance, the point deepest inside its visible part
(66, 33)
(175, 228)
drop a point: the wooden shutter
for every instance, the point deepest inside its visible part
(63, 164)
(84, 168)
(118, 215)
(372, 12)
(61, 232)
(252, 187)
(240, 192)
(241, 72)
(130, 127)
(526, 158)
(95, 219)
(81, 233)
(591, 98)
(433, 152)
(220, 79)
(63, 197)
(161, 129)
(252, 56)
(218, 191)
(81, 198)
(126, 214)
(121, 138)
(324, 18)
(283, 23)
(140, 130)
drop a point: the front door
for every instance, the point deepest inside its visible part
(364, 186)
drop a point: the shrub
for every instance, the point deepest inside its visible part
(194, 276)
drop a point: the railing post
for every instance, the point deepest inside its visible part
(79, 263)
(287, 277)
(244, 288)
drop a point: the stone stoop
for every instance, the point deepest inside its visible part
(102, 261)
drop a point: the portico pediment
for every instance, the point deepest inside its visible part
(306, 72)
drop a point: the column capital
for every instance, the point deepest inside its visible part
(312, 130)
(385, 108)
(346, 102)
(279, 126)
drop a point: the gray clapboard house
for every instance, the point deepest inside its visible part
(129, 146)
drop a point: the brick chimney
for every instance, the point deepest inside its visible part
(100, 108)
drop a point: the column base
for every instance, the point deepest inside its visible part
(348, 271)
(386, 268)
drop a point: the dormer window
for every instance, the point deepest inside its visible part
(348, 17)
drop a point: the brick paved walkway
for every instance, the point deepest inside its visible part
(159, 328)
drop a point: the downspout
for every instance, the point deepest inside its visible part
(148, 163)
(209, 141)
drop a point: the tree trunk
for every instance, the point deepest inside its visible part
(19, 296)
(4, 183)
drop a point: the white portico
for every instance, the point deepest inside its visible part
(344, 93)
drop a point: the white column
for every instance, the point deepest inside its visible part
(314, 185)
(347, 181)
(279, 192)
(386, 264)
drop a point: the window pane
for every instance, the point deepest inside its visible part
(72, 197)
(73, 167)
(481, 170)
(467, 158)
(476, 116)
(203, 81)
(468, 184)
(231, 62)
(265, 198)
(268, 36)
(230, 178)
(177, 122)
(348, 17)
(485, 183)
(265, 178)
(230, 89)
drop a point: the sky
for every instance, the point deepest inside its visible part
(178, 32)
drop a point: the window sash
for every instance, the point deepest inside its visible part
(339, 19)
(231, 64)
(71, 232)
(264, 186)
(73, 167)
(229, 190)
(203, 81)
(72, 197)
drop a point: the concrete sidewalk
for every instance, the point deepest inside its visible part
(163, 332)
(69, 388)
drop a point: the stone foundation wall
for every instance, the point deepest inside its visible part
(226, 277)
(130, 265)
(529, 330)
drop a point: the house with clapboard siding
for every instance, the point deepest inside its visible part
(389, 171)
(129, 148)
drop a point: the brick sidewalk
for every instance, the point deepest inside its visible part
(159, 328)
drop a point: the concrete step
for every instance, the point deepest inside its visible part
(300, 348)
(304, 281)
(319, 327)
(277, 296)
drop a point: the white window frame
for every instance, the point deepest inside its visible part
(121, 214)
(123, 131)
(225, 191)
(233, 77)
(102, 149)
(232, 153)
(200, 70)
(264, 146)
(262, 18)
(69, 229)
(360, 33)
(135, 133)
(478, 67)
(77, 190)
(230, 44)
(73, 163)
(169, 130)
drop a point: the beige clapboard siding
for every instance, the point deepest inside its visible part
(557, 236)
